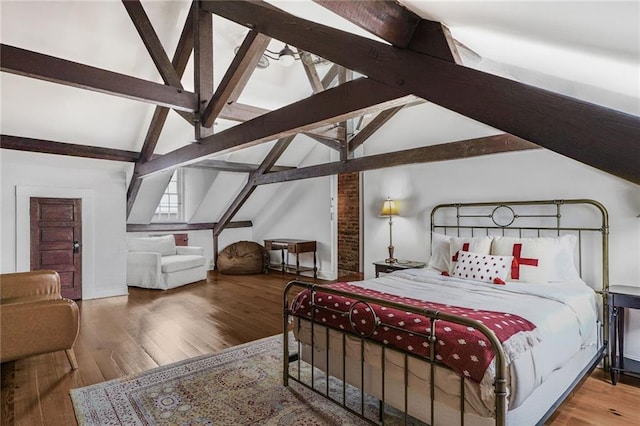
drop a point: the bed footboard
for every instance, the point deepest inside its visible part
(397, 395)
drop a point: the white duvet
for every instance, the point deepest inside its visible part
(564, 314)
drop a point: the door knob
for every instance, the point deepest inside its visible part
(76, 246)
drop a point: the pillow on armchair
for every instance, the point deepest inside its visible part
(165, 245)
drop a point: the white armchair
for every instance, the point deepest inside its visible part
(156, 262)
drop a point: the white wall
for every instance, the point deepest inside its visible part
(530, 175)
(101, 186)
(196, 183)
(300, 210)
(149, 196)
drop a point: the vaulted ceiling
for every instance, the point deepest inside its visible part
(582, 99)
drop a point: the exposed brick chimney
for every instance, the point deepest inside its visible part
(348, 223)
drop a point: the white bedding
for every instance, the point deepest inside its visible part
(564, 314)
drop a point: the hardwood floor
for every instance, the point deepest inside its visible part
(148, 328)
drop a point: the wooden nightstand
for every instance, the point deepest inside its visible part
(382, 266)
(621, 297)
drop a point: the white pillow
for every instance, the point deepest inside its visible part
(165, 245)
(440, 258)
(483, 267)
(480, 245)
(542, 259)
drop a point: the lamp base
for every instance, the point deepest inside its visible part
(391, 259)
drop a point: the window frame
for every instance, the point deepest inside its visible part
(168, 215)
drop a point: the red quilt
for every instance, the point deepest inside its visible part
(462, 348)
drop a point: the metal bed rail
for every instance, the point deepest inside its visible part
(502, 217)
(488, 218)
(500, 382)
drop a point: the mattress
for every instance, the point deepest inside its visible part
(564, 314)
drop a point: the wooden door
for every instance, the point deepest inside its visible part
(56, 241)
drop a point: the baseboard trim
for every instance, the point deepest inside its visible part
(110, 292)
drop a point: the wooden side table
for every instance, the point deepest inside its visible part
(292, 246)
(384, 267)
(621, 297)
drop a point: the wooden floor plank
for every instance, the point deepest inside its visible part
(130, 334)
(54, 378)
(7, 393)
(28, 404)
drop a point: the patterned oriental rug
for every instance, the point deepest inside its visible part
(241, 385)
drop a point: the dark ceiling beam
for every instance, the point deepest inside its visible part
(372, 127)
(153, 133)
(181, 58)
(388, 20)
(330, 76)
(351, 99)
(327, 132)
(152, 42)
(592, 134)
(269, 161)
(69, 149)
(345, 75)
(41, 146)
(318, 85)
(434, 39)
(157, 53)
(184, 47)
(237, 111)
(202, 65)
(242, 112)
(312, 72)
(330, 143)
(398, 25)
(235, 206)
(278, 149)
(267, 164)
(442, 152)
(376, 123)
(229, 166)
(179, 64)
(237, 75)
(44, 67)
(155, 227)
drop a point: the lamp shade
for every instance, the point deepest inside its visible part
(389, 208)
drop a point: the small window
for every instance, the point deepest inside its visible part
(170, 207)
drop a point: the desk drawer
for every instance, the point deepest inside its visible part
(303, 247)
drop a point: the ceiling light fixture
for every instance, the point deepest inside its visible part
(263, 62)
(287, 56)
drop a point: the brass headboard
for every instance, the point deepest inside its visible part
(587, 219)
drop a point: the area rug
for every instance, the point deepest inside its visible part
(238, 386)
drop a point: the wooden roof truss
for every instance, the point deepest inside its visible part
(420, 64)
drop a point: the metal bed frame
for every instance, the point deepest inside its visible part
(472, 219)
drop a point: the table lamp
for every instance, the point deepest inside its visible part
(390, 208)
